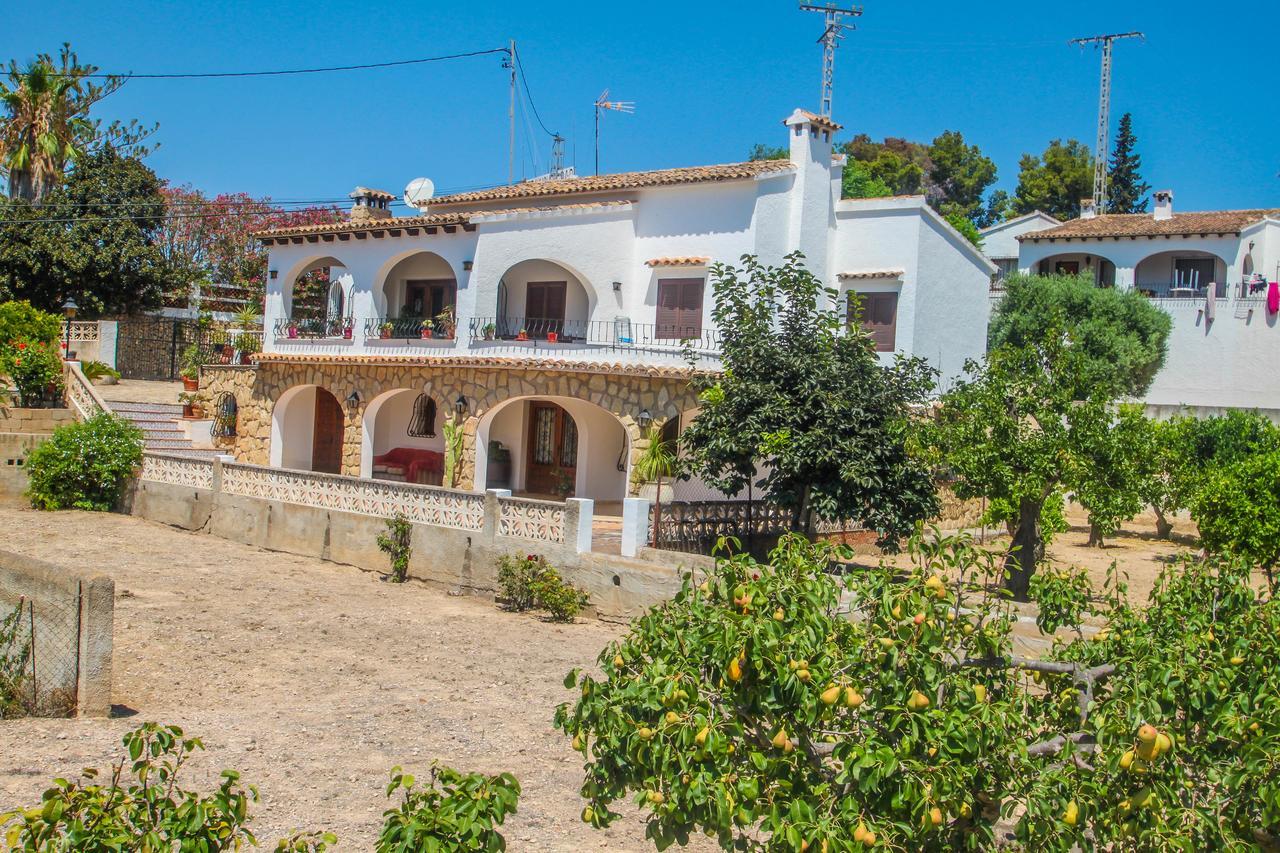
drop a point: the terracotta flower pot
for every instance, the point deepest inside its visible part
(522, 337)
(190, 384)
(553, 337)
(346, 333)
(426, 333)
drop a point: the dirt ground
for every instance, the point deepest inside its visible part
(312, 679)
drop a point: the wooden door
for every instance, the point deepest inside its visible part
(552, 457)
(326, 441)
(544, 304)
(427, 298)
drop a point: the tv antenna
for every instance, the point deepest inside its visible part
(603, 103)
(1104, 113)
(830, 40)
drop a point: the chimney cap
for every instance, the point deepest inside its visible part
(1163, 195)
(366, 192)
(1088, 208)
(800, 116)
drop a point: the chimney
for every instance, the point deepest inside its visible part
(1164, 205)
(367, 204)
(812, 138)
(1088, 208)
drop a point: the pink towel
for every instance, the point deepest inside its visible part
(1273, 297)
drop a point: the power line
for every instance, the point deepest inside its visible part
(524, 81)
(205, 75)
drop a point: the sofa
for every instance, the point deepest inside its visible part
(410, 464)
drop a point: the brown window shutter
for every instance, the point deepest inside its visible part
(879, 318)
(679, 314)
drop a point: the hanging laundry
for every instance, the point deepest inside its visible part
(1273, 297)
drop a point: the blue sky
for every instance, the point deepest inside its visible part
(708, 80)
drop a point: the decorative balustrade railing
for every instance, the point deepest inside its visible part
(531, 519)
(696, 526)
(405, 328)
(177, 470)
(619, 334)
(81, 395)
(313, 327)
(421, 504)
(83, 330)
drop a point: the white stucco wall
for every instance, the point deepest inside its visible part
(293, 428)
(1001, 239)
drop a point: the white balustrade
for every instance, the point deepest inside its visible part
(542, 521)
(178, 470)
(81, 395)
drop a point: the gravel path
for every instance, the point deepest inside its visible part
(313, 680)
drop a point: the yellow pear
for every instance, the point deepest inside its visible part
(645, 733)
(588, 815)
(1237, 660)
(701, 737)
(672, 717)
(831, 695)
(1163, 743)
(887, 642)
(896, 611)
(577, 743)
(852, 698)
(869, 839)
(804, 675)
(980, 692)
(779, 615)
(1126, 760)
(1072, 814)
(1147, 733)
(618, 662)
(735, 669)
(657, 798)
(966, 811)
(780, 740)
(935, 816)
(918, 701)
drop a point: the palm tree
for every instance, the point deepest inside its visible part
(38, 137)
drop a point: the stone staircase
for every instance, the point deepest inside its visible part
(161, 431)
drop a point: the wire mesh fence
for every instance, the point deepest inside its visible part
(39, 660)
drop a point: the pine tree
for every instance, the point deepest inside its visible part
(1126, 191)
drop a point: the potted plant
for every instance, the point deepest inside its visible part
(99, 373)
(246, 344)
(190, 370)
(347, 329)
(293, 329)
(246, 319)
(192, 404)
(489, 331)
(522, 335)
(657, 462)
(384, 331)
(426, 329)
(448, 322)
(553, 337)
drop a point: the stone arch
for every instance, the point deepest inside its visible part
(1102, 268)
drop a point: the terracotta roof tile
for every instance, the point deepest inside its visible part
(371, 193)
(681, 261)
(347, 226)
(512, 363)
(1145, 225)
(863, 274)
(620, 181)
(820, 121)
(480, 215)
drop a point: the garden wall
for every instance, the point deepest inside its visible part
(65, 625)
(21, 430)
(202, 496)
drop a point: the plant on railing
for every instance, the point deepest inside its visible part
(95, 370)
(448, 322)
(395, 543)
(246, 344)
(15, 651)
(489, 330)
(35, 368)
(454, 813)
(453, 434)
(531, 583)
(84, 465)
(247, 318)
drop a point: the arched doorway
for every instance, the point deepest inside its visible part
(543, 300)
(418, 288)
(307, 429)
(403, 438)
(1100, 269)
(1181, 273)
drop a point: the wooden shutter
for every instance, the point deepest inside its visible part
(679, 314)
(879, 318)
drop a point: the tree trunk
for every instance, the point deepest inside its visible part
(1163, 525)
(1026, 549)
(1095, 536)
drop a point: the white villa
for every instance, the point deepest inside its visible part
(1211, 271)
(553, 316)
(1000, 241)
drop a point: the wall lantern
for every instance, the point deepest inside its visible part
(70, 308)
(644, 419)
(460, 406)
(467, 265)
(273, 273)
(353, 401)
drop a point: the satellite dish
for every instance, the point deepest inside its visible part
(419, 191)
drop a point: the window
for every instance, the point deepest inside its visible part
(428, 298)
(679, 315)
(423, 422)
(877, 313)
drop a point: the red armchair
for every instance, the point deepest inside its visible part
(412, 463)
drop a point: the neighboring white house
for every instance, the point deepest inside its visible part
(1210, 271)
(603, 277)
(1000, 241)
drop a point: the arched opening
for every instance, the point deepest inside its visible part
(418, 296)
(541, 300)
(553, 447)
(1100, 269)
(402, 438)
(1177, 274)
(317, 296)
(307, 430)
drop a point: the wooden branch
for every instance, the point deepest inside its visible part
(1054, 745)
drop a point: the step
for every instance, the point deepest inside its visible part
(130, 409)
(168, 444)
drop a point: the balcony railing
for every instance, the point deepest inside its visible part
(1180, 290)
(618, 334)
(313, 327)
(406, 328)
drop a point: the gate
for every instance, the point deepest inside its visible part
(151, 347)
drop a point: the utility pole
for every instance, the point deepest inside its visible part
(510, 62)
(557, 156)
(603, 103)
(1102, 150)
(830, 40)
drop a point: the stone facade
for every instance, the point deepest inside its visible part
(622, 392)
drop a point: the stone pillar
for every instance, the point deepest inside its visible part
(579, 516)
(467, 478)
(352, 436)
(635, 525)
(97, 621)
(492, 512)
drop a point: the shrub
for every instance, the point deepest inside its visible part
(84, 465)
(395, 544)
(96, 370)
(1238, 512)
(20, 321)
(34, 366)
(142, 806)
(455, 812)
(246, 343)
(15, 650)
(531, 583)
(190, 362)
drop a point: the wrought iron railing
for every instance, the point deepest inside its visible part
(617, 334)
(409, 327)
(313, 327)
